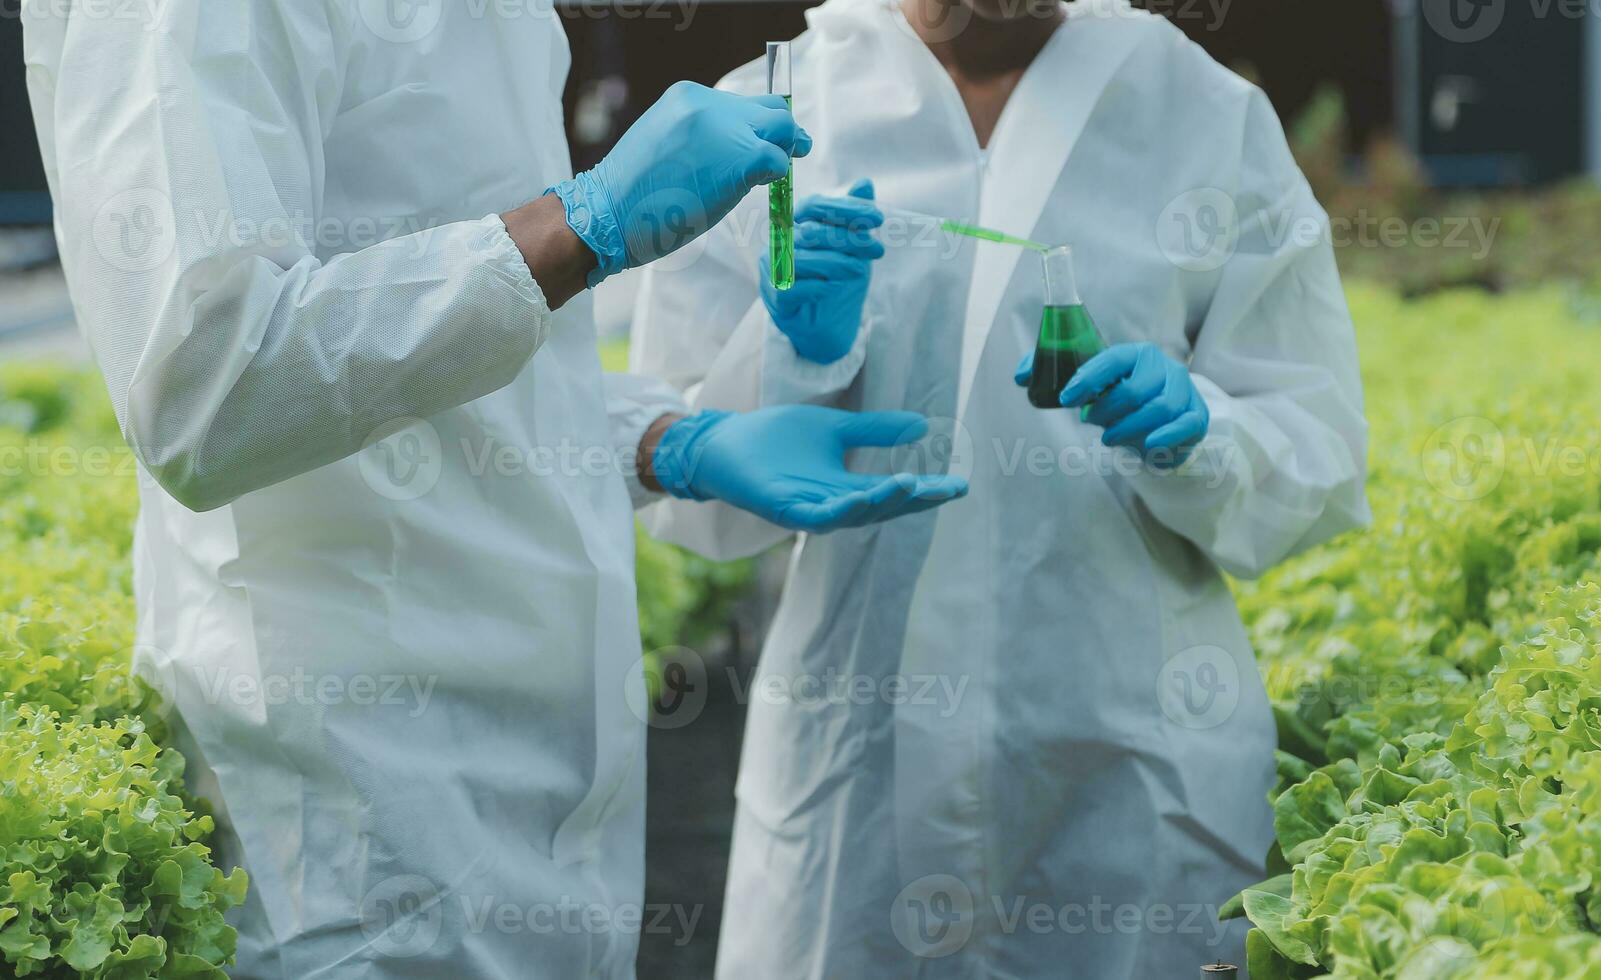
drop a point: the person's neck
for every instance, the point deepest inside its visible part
(983, 49)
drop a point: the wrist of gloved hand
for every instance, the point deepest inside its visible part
(591, 214)
(835, 248)
(673, 463)
(819, 344)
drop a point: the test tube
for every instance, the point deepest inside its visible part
(781, 192)
(1068, 338)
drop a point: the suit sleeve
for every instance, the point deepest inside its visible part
(1283, 466)
(185, 150)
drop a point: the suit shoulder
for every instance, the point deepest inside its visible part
(1196, 72)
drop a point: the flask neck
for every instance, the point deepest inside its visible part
(1061, 286)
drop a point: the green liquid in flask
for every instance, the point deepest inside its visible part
(1068, 339)
(781, 222)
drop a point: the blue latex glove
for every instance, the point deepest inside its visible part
(834, 254)
(1143, 398)
(786, 464)
(677, 171)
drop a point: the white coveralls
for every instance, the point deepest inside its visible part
(1024, 735)
(403, 672)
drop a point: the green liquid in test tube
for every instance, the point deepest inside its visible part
(781, 192)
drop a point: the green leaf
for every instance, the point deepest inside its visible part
(1274, 915)
(1277, 885)
(91, 933)
(1264, 962)
(1306, 811)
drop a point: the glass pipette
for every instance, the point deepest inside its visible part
(961, 228)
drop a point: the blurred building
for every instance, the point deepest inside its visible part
(22, 186)
(1499, 92)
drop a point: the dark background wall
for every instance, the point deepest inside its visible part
(21, 175)
(1290, 46)
(1505, 111)
(1293, 46)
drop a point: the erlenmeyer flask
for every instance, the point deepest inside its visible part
(1068, 337)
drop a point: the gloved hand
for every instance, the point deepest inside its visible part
(834, 254)
(677, 171)
(786, 464)
(1143, 398)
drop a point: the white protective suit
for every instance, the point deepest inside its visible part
(403, 672)
(1065, 772)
